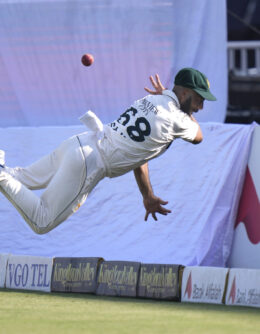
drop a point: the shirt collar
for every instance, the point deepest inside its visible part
(172, 95)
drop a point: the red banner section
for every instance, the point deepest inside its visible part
(245, 252)
(249, 209)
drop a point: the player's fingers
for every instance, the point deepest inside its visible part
(164, 212)
(146, 215)
(161, 209)
(158, 80)
(163, 202)
(149, 90)
(153, 82)
(154, 216)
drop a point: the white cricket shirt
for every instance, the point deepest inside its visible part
(143, 132)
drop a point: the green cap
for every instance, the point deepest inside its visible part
(190, 78)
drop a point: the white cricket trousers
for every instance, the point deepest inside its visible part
(69, 174)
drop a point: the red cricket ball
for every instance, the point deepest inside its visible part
(87, 59)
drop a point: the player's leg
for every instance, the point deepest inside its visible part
(56, 203)
(64, 193)
(80, 177)
(39, 174)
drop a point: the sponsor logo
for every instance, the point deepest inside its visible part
(232, 294)
(118, 278)
(209, 291)
(188, 289)
(213, 292)
(159, 281)
(197, 291)
(163, 278)
(127, 276)
(34, 275)
(243, 296)
(253, 297)
(147, 107)
(70, 274)
(75, 274)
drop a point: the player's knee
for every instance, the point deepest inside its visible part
(40, 227)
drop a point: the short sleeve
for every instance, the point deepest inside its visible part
(183, 126)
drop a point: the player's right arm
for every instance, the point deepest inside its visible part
(152, 203)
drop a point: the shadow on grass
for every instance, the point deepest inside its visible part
(163, 303)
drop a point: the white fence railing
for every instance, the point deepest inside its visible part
(238, 58)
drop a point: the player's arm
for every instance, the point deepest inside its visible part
(152, 203)
(199, 136)
(157, 85)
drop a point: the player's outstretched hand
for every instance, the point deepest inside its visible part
(157, 85)
(153, 205)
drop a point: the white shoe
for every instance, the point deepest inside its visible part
(2, 158)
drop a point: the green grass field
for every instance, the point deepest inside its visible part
(60, 313)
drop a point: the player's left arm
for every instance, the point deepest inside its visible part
(199, 136)
(152, 203)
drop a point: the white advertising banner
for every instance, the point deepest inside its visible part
(3, 264)
(243, 287)
(203, 284)
(29, 273)
(246, 242)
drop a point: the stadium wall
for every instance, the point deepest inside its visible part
(177, 283)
